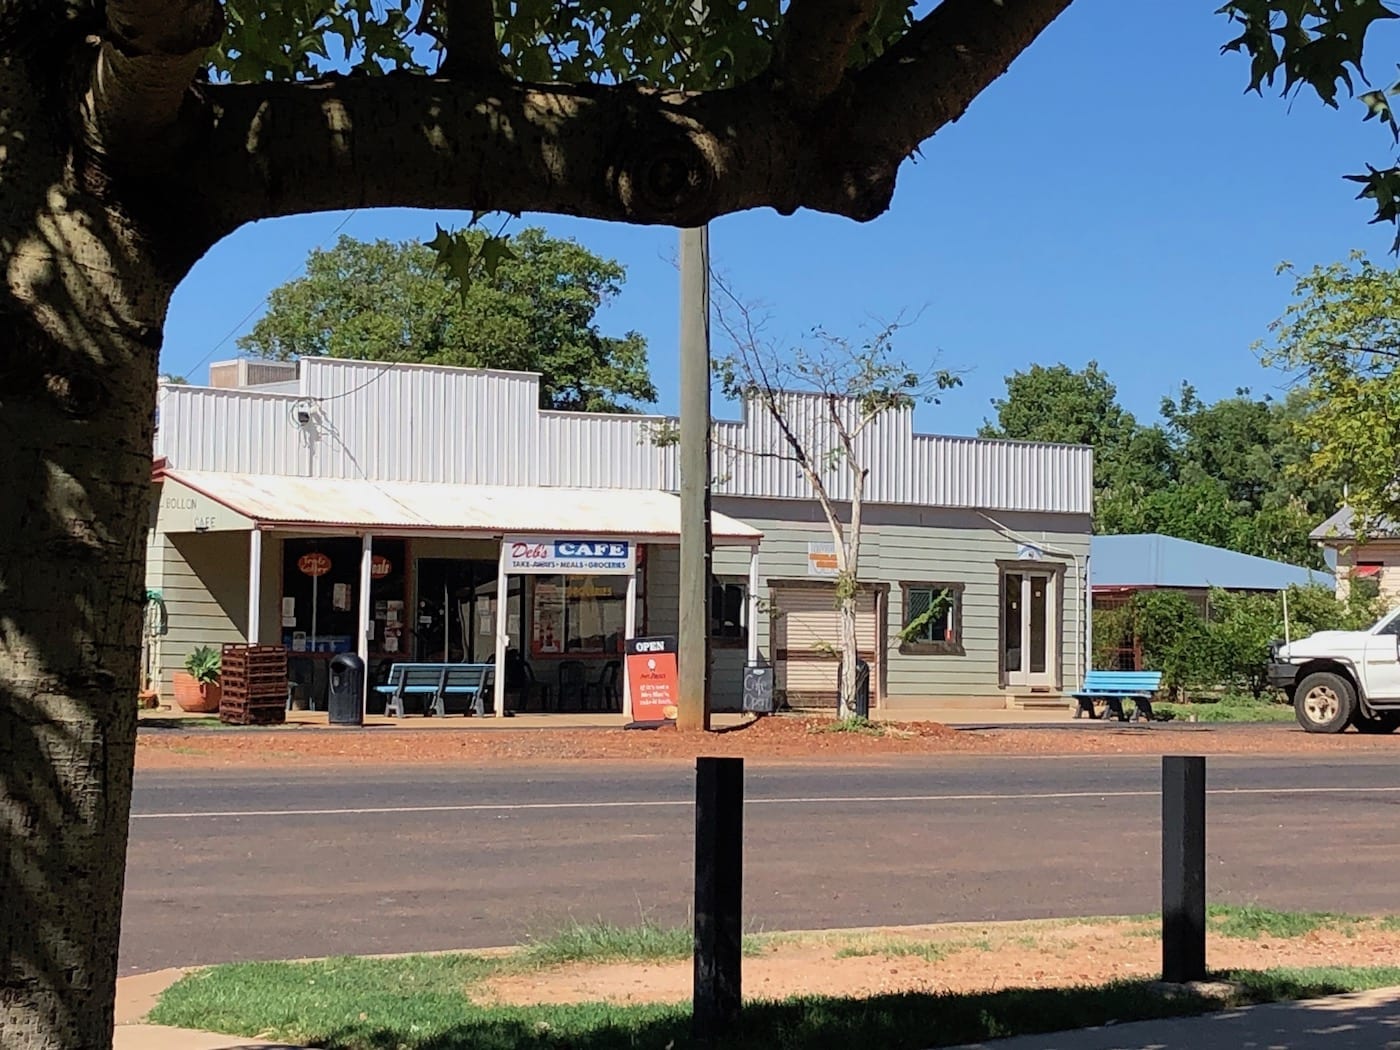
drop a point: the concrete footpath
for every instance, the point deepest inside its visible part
(1364, 1021)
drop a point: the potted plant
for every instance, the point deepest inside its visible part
(197, 686)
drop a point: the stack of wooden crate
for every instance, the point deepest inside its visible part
(254, 681)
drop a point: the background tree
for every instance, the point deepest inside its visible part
(1225, 473)
(823, 395)
(535, 311)
(1228, 649)
(136, 134)
(1058, 404)
(1340, 338)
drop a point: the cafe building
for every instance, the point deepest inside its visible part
(434, 514)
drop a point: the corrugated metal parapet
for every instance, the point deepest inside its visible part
(382, 421)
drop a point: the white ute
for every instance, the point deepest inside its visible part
(1339, 678)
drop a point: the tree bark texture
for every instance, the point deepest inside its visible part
(119, 168)
(83, 291)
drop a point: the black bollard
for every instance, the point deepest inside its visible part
(719, 857)
(1183, 869)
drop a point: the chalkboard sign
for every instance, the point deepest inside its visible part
(758, 689)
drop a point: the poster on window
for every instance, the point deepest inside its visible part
(549, 619)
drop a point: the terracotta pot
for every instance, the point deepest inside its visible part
(195, 697)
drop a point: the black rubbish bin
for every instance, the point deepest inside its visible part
(346, 704)
(862, 698)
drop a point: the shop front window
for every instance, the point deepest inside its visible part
(578, 614)
(729, 611)
(321, 595)
(320, 580)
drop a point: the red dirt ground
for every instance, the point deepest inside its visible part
(780, 738)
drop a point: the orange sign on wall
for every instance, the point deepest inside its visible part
(652, 682)
(314, 564)
(380, 566)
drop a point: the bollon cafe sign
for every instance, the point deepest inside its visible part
(568, 556)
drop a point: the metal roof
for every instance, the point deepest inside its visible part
(279, 500)
(433, 424)
(1341, 527)
(1152, 560)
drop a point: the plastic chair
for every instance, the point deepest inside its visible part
(572, 683)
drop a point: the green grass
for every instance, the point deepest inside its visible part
(896, 948)
(856, 724)
(1229, 708)
(601, 942)
(1250, 922)
(423, 1003)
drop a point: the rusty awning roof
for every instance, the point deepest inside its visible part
(277, 501)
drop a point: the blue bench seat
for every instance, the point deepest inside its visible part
(1113, 687)
(436, 689)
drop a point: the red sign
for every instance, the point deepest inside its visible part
(652, 682)
(314, 564)
(380, 566)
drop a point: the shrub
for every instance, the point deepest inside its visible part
(203, 664)
(1229, 648)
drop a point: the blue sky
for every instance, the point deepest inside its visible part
(1115, 197)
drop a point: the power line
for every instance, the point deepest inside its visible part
(261, 302)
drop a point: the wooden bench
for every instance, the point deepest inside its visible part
(436, 689)
(1113, 687)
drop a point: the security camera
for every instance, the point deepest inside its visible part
(303, 416)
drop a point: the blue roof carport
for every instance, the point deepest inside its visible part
(1150, 560)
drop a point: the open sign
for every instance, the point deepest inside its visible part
(314, 564)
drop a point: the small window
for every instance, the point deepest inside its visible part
(729, 612)
(1366, 580)
(932, 619)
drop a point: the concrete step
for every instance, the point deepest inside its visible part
(1040, 702)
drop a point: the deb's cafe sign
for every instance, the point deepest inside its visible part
(569, 555)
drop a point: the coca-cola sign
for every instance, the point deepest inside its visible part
(314, 564)
(573, 555)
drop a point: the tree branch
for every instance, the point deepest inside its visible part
(614, 152)
(617, 152)
(814, 45)
(929, 78)
(150, 53)
(472, 48)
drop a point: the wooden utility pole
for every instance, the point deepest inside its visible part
(694, 451)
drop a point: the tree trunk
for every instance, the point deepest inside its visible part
(71, 578)
(80, 314)
(850, 654)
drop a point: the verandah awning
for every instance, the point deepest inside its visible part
(277, 501)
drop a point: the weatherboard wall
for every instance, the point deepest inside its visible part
(907, 545)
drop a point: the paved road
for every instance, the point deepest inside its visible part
(256, 864)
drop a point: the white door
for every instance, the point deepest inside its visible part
(1382, 666)
(1030, 629)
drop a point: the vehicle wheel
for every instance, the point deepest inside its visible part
(1324, 702)
(1385, 722)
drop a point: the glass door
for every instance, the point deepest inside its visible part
(1030, 629)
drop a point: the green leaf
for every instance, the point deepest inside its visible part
(535, 310)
